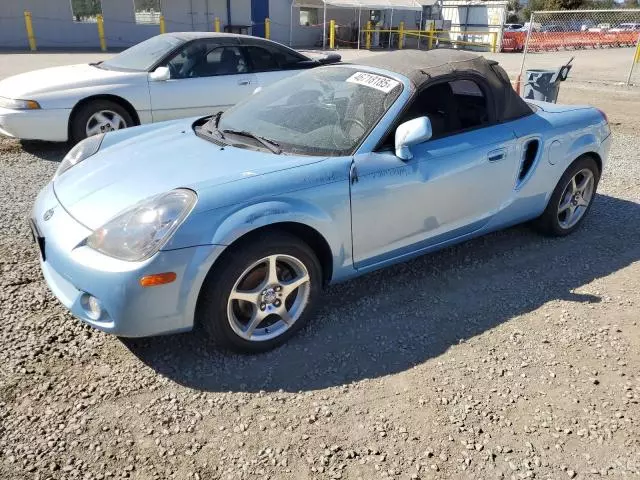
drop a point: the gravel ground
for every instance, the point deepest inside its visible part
(510, 356)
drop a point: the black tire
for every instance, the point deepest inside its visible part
(549, 223)
(211, 310)
(77, 128)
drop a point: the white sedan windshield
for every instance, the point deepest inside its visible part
(322, 111)
(144, 55)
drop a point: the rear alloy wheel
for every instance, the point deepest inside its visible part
(99, 116)
(571, 199)
(576, 198)
(260, 294)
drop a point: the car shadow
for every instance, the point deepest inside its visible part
(400, 316)
(49, 151)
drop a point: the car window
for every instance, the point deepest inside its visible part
(465, 87)
(262, 59)
(451, 107)
(144, 55)
(284, 57)
(207, 59)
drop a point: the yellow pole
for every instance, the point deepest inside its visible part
(401, 36)
(216, 24)
(431, 32)
(332, 33)
(637, 57)
(368, 36)
(103, 43)
(29, 24)
(162, 26)
(494, 41)
(267, 28)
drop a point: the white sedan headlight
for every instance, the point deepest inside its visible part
(15, 104)
(82, 150)
(140, 231)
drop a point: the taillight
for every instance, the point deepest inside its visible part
(606, 119)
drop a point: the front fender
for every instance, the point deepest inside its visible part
(136, 94)
(267, 213)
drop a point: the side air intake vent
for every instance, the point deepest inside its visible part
(528, 159)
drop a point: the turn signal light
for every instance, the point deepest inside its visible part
(157, 279)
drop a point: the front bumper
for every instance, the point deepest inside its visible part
(49, 125)
(73, 271)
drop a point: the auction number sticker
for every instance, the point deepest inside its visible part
(384, 84)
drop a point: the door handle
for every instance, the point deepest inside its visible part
(244, 82)
(496, 155)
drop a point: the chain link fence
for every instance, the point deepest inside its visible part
(605, 44)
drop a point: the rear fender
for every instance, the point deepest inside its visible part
(585, 143)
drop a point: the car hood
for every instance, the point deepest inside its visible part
(26, 85)
(140, 162)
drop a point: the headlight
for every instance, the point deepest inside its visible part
(142, 230)
(19, 104)
(83, 150)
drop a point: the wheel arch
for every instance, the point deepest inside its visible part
(588, 154)
(112, 98)
(309, 235)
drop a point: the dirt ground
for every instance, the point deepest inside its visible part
(511, 356)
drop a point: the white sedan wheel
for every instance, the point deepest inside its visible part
(104, 121)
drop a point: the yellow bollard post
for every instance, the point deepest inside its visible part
(162, 25)
(29, 25)
(103, 43)
(494, 41)
(367, 37)
(401, 35)
(638, 51)
(332, 33)
(216, 24)
(267, 28)
(431, 32)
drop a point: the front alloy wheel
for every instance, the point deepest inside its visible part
(97, 116)
(268, 298)
(104, 121)
(260, 292)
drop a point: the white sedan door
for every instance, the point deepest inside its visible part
(205, 77)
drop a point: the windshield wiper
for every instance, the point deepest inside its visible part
(269, 144)
(211, 125)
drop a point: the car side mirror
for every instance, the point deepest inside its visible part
(160, 74)
(411, 133)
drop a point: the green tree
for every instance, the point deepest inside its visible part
(151, 5)
(532, 6)
(537, 5)
(514, 11)
(85, 8)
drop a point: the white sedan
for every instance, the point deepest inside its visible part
(168, 76)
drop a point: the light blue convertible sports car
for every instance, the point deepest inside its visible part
(235, 222)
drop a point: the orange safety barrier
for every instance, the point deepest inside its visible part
(549, 41)
(513, 41)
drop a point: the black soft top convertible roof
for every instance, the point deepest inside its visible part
(424, 67)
